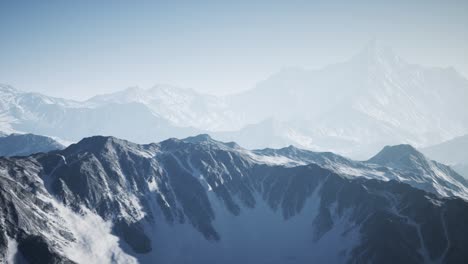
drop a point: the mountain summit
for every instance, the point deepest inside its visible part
(399, 155)
(375, 52)
(358, 106)
(417, 168)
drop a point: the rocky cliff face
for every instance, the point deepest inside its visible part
(201, 201)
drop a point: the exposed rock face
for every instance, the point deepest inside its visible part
(421, 171)
(201, 201)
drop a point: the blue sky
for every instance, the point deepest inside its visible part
(76, 49)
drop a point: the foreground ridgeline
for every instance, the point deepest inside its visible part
(198, 200)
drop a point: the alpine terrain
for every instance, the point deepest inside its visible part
(353, 108)
(198, 200)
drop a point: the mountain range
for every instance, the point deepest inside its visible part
(353, 108)
(356, 107)
(72, 120)
(198, 200)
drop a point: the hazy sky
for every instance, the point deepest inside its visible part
(76, 49)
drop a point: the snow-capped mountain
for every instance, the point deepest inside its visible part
(356, 107)
(26, 144)
(182, 107)
(25, 112)
(421, 172)
(401, 163)
(353, 108)
(198, 200)
(452, 152)
(18, 108)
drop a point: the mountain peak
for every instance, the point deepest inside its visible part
(199, 138)
(205, 139)
(171, 89)
(397, 154)
(133, 89)
(97, 143)
(401, 147)
(375, 52)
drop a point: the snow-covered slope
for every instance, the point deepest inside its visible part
(353, 108)
(452, 152)
(18, 107)
(36, 228)
(198, 200)
(358, 106)
(182, 107)
(401, 163)
(70, 121)
(421, 172)
(26, 144)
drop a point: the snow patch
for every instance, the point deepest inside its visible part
(12, 250)
(94, 242)
(273, 160)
